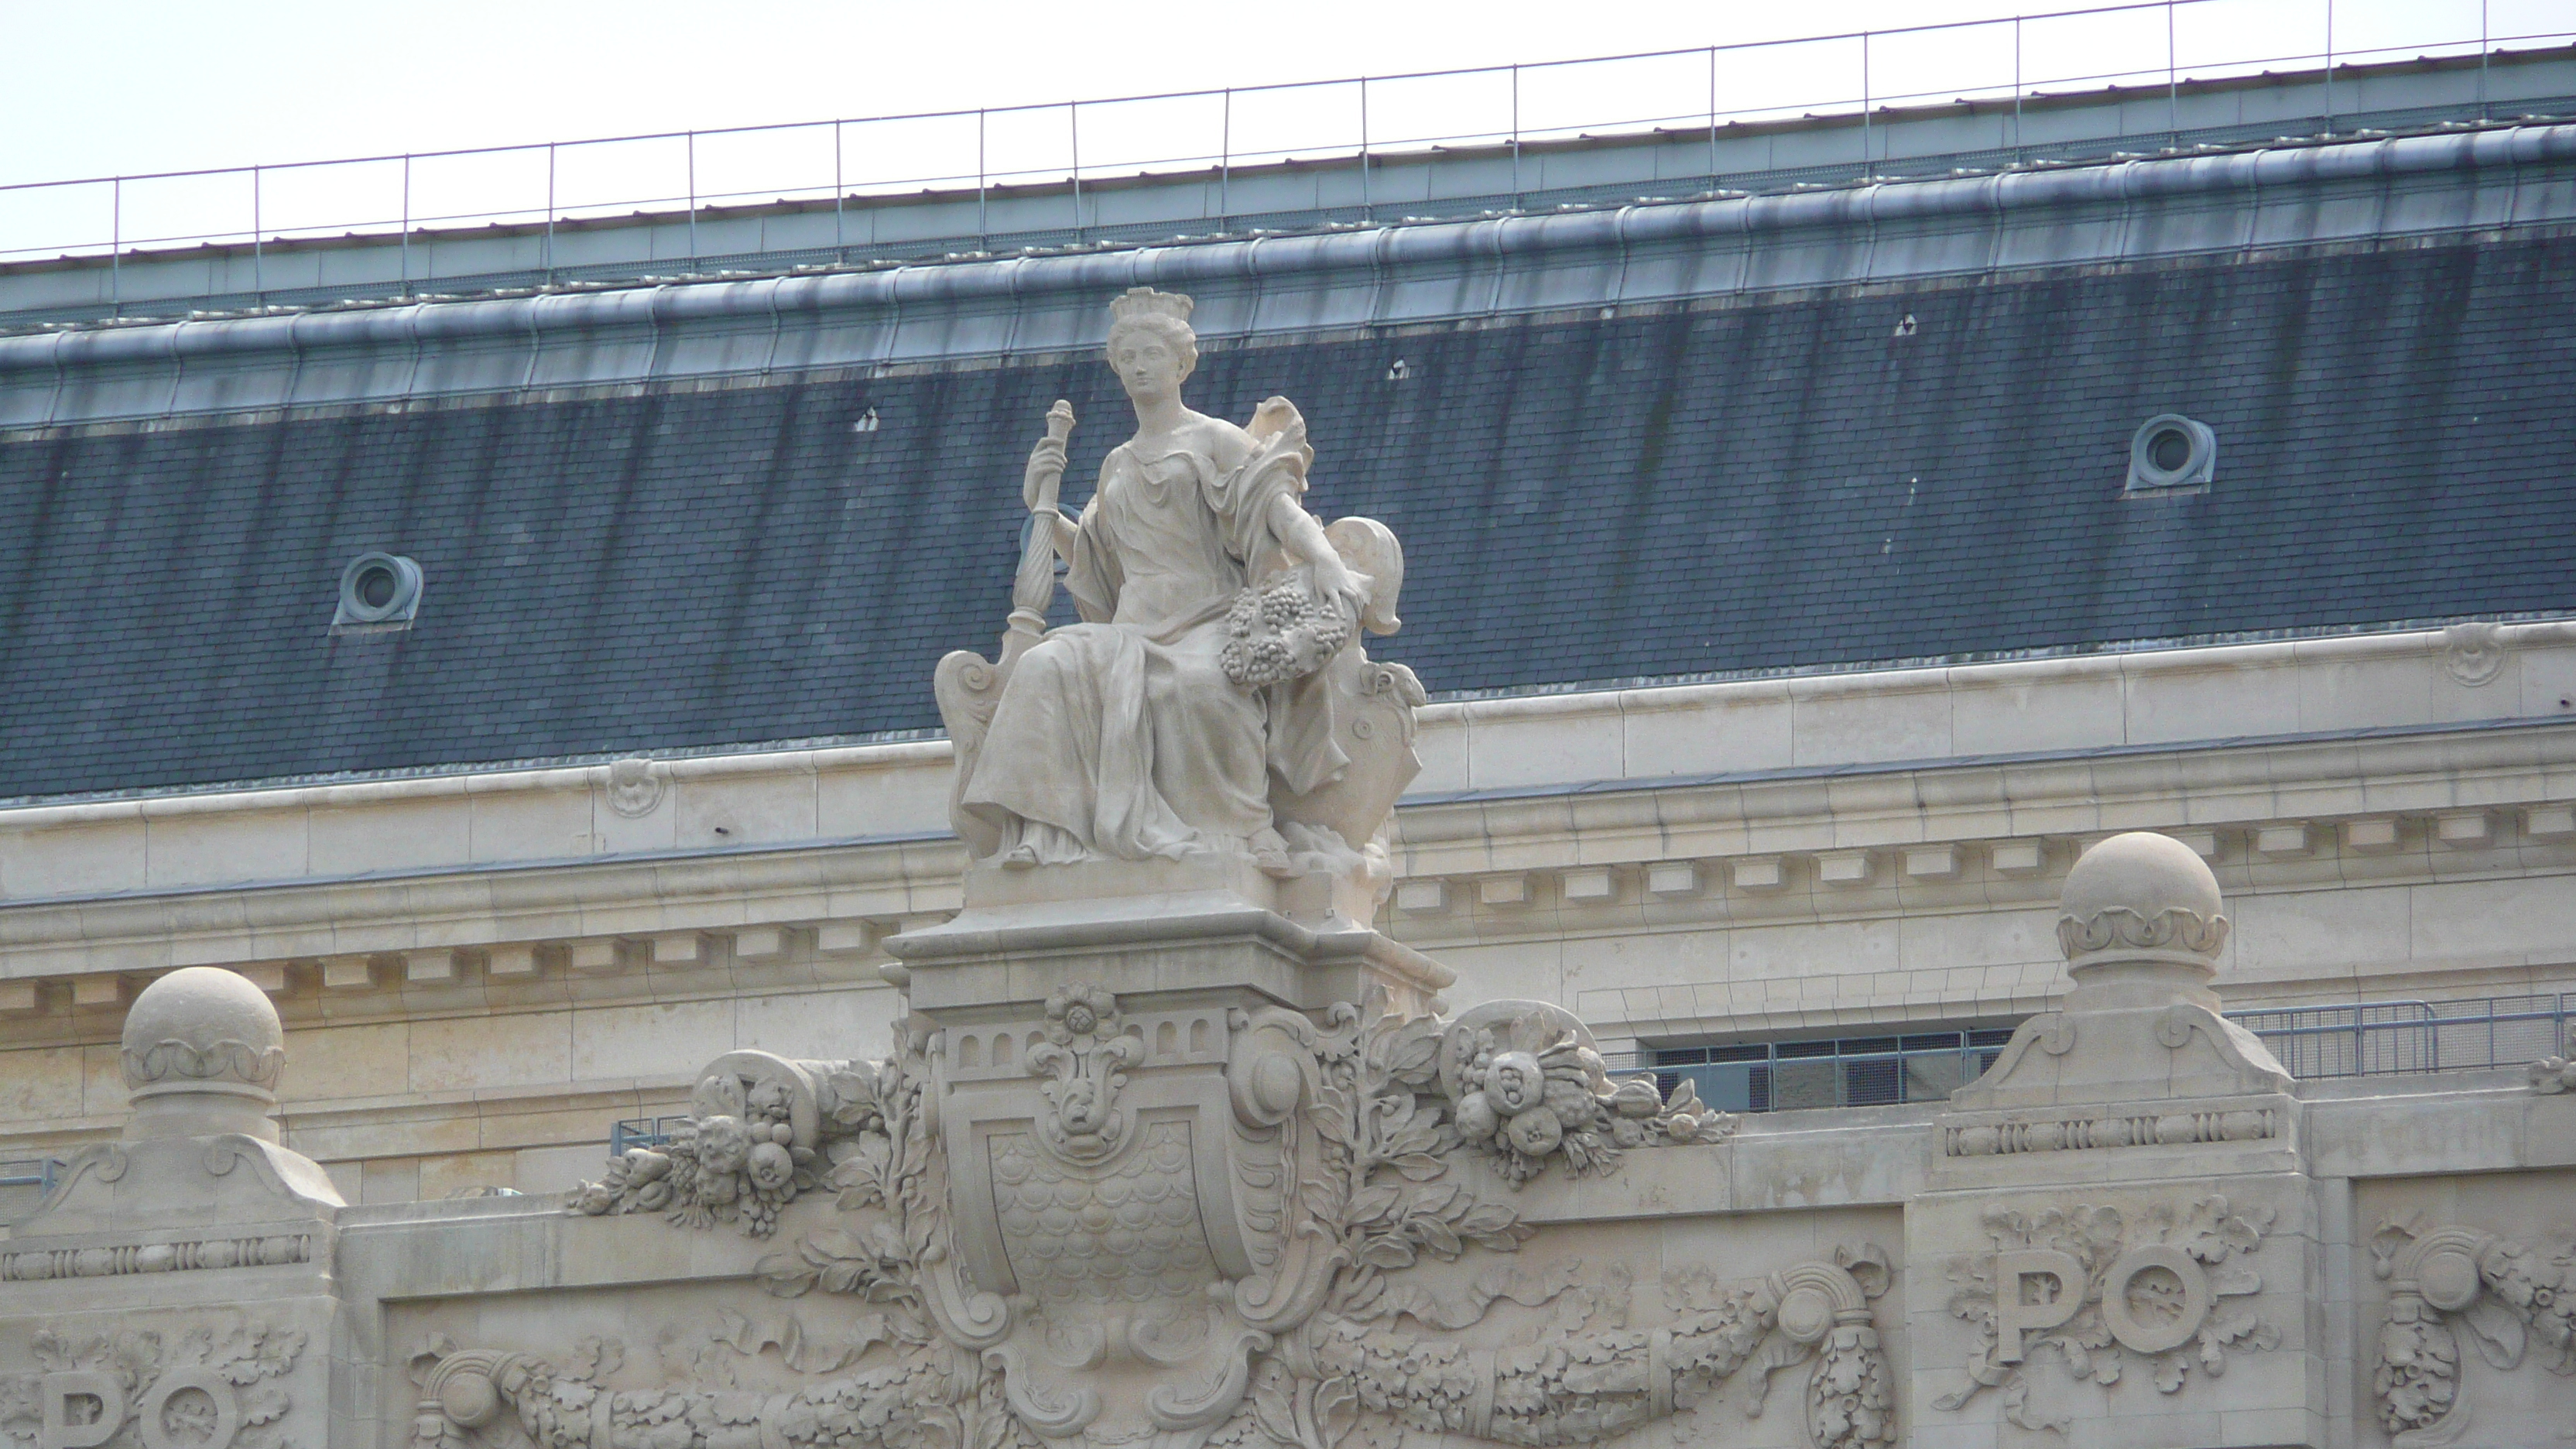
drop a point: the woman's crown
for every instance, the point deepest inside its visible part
(1146, 302)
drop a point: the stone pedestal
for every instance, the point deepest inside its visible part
(1209, 931)
(2118, 1239)
(175, 1289)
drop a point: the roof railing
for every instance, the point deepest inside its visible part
(1216, 132)
(2346, 1039)
(40, 1173)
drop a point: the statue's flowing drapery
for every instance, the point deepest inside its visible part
(1121, 735)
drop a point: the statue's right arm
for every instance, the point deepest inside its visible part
(1045, 472)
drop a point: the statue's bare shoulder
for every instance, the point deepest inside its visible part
(1224, 443)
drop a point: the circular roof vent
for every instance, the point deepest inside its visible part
(2170, 452)
(379, 592)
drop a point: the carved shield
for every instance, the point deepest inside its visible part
(1373, 708)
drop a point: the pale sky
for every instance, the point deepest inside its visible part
(103, 88)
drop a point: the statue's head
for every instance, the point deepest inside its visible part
(1151, 346)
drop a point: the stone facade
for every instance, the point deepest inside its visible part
(482, 971)
(1194, 1193)
(1121, 1069)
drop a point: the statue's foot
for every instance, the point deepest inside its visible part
(1020, 857)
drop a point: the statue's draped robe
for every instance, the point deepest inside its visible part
(1121, 736)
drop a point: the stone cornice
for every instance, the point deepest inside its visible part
(1636, 824)
(2060, 792)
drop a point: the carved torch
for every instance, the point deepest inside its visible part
(1033, 588)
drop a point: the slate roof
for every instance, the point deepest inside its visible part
(1768, 484)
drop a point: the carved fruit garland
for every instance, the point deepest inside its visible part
(2442, 1279)
(1395, 1107)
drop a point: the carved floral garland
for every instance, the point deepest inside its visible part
(2443, 1279)
(1395, 1107)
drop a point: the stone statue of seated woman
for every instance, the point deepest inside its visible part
(1214, 696)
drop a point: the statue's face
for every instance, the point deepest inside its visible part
(1146, 365)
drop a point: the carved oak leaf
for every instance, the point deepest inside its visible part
(262, 1404)
(2209, 1232)
(2016, 1403)
(2170, 1368)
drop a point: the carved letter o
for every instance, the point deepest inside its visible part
(2155, 1337)
(205, 1381)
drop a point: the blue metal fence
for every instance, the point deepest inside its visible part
(642, 1132)
(40, 1173)
(2374, 1038)
(2348, 1039)
(1863, 1071)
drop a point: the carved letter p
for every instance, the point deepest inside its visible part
(59, 1432)
(2014, 1313)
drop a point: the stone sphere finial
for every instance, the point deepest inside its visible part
(203, 1051)
(2141, 897)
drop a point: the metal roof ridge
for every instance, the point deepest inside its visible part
(1254, 261)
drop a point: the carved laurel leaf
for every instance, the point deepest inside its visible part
(1272, 1407)
(1337, 1409)
(1331, 1115)
(1374, 1203)
(1436, 1237)
(1390, 1251)
(1413, 1052)
(1419, 1166)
